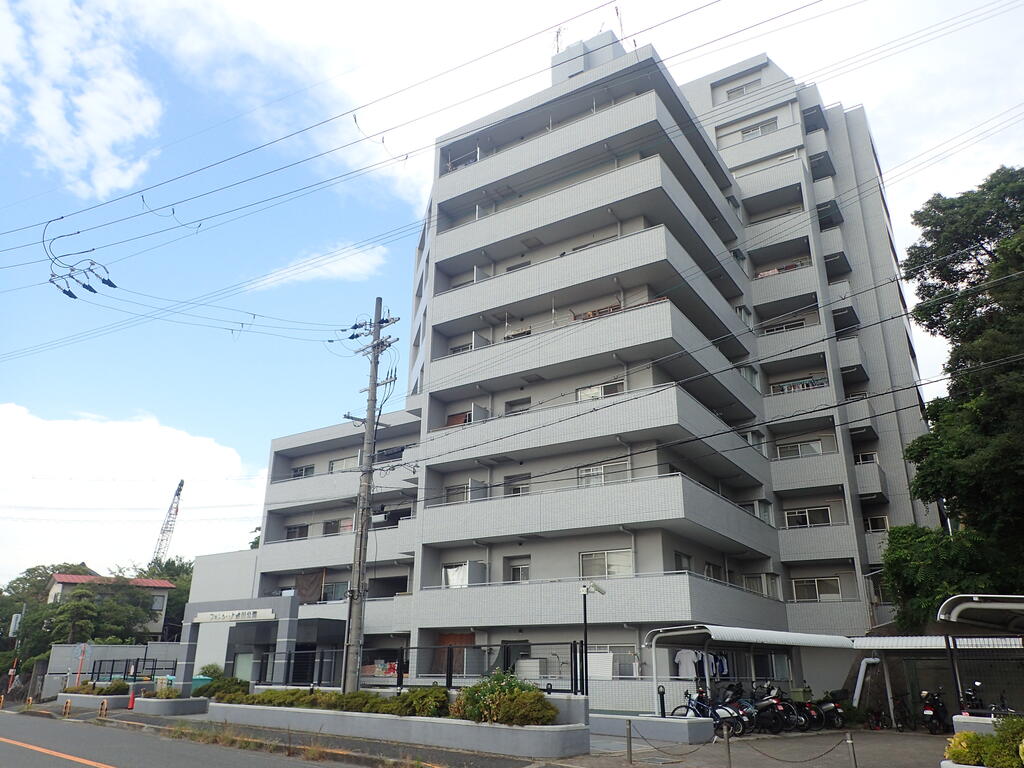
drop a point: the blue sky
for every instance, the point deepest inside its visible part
(99, 98)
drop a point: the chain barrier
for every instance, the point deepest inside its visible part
(672, 754)
(793, 762)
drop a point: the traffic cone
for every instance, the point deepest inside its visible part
(131, 698)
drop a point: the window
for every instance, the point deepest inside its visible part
(517, 406)
(744, 314)
(338, 465)
(825, 590)
(335, 590)
(761, 509)
(797, 450)
(713, 571)
(876, 524)
(158, 602)
(519, 568)
(742, 90)
(760, 129)
(749, 373)
(334, 527)
(605, 473)
(856, 395)
(808, 517)
(755, 439)
(597, 391)
(458, 349)
(612, 562)
(297, 531)
(754, 583)
(514, 267)
(517, 485)
(393, 453)
(681, 561)
(304, 471)
(624, 658)
(455, 575)
(867, 457)
(799, 385)
(789, 325)
(453, 494)
(454, 419)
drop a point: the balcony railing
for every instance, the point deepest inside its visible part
(511, 337)
(783, 268)
(566, 579)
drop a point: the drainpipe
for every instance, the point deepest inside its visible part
(860, 677)
(625, 371)
(629, 458)
(632, 543)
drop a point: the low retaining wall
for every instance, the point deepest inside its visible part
(90, 701)
(973, 723)
(171, 707)
(683, 730)
(534, 741)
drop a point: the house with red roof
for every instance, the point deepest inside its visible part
(61, 583)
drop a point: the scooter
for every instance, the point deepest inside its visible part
(934, 714)
(742, 712)
(972, 703)
(770, 712)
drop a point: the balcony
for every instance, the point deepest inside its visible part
(790, 173)
(383, 615)
(844, 310)
(824, 542)
(649, 257)
(825, 188)
(663, 413)
(842, 617)
(777, 230)
(806, 398)
(775, 143)
(661, 598)
(635, 334)
(874, 544)
(328, 487)
(619, 128)
(335, 550)
(821, 167)
(872, 486)
(673, 502)
(644, 188)
(798, 342)
(860, 418)
(796, 278)
(825, 471)
(851, 360)
(832, 247)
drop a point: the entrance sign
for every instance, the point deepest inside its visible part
(244, 614)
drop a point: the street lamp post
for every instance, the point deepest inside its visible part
(586, 589)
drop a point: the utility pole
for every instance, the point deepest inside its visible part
(358, 582)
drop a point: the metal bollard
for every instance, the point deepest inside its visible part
(853, 754)
(629, 742)
(103, 708)
(28, 703)
(661, 700)
(726, 731)
(1, 701)
(66, 712)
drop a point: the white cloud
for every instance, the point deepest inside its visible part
(351, 265)
(83, 103)
(97, 490)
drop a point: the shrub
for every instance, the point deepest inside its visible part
(997, 753)
(114, 688)
(223, 685)
(500, 699)
(214, 671)
(88, 688)
(965, 748)
(427, 702)
(167, 692)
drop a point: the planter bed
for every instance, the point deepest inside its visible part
(534, 741)
(90, 701)
(171, 707)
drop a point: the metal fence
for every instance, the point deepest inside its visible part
(555, 667)
(131, 669)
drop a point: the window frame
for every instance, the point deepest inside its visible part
(684, 559)
(606, 389)
(757, 130)
(806, 512)
(516, 485)
(738, 91)
(519, 405)
(860, 457)
(298, 526)
(306, 470)
(805, 580)
(714, 568)
(869, 526)
(324, 598)
(801, 453)
(342, 464)
(591, 555)
(161, 599)
(460, 349)
(448, 493)
(599, 472)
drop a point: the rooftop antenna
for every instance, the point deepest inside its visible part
(558, 40)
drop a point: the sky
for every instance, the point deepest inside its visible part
(268, 162)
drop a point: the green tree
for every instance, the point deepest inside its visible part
(30, 586)
(75, 617)
(971, 256)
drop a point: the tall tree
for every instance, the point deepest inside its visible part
(970, 257)
(178, 571)
(30, 586)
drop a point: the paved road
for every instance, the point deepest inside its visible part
(36, 742)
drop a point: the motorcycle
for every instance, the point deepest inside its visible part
(934, 714)
(831, 709)
(793, 713)
(743, 712)
(770, 711)
(972, 703)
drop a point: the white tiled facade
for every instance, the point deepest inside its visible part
(624, 340)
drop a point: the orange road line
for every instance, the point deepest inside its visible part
(72, 758)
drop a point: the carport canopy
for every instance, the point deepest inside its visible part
(1004, 613)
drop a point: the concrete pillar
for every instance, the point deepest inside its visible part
(287, 632)
(189, 641)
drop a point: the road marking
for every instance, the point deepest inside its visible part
(72, 758)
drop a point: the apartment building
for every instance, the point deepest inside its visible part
(656, 344)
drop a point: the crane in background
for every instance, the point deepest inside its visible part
(164, 540)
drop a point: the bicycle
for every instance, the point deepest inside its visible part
(902, 715)
(701, 707)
